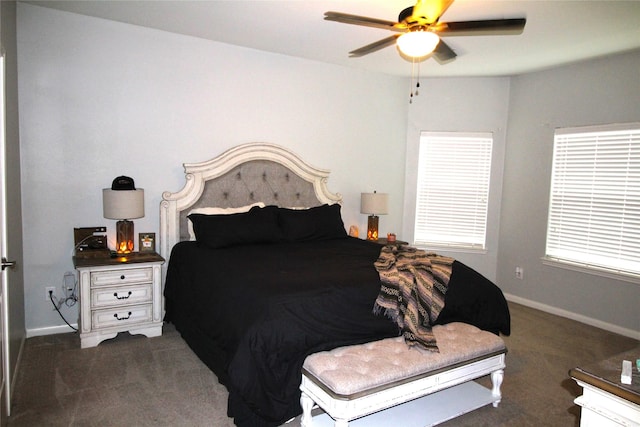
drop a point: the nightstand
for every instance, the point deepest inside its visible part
(120, 294)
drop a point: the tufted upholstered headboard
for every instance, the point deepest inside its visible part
(246, 174)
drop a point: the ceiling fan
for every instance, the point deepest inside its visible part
(420, 30)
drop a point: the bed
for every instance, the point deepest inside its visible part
(272, 277)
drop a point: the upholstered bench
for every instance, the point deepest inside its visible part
(354, 381)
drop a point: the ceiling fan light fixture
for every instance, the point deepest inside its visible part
(417, 44)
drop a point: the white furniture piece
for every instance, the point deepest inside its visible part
(605, 400)
(419, 387)
(121, 294)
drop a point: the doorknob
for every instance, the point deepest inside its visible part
(10, 264)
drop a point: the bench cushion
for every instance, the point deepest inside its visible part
(357, 369)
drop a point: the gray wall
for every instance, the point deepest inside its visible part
(522, 112)
(461, 105)
(100, 99)
(602, 91)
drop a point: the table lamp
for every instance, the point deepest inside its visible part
(373, 204)
(123, 202)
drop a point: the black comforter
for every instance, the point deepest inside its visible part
(253, 313)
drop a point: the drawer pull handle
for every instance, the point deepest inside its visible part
(122, 318)
(115, 294)
(122, 277)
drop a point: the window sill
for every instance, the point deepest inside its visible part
(590, 269)
(450, 248)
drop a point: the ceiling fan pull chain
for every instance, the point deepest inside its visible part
(413, 65)
(418, 81)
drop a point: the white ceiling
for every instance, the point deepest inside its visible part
(557, 32)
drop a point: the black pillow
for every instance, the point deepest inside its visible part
(317, 223)
(259, 225)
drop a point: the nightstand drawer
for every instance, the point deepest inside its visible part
(123, 295)
(121, 277)
(121, 316)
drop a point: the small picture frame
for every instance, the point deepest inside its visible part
(147, 242)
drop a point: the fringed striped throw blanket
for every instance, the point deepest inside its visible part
(413, 285)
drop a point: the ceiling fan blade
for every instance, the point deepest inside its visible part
(429, 11)
(346, 18)
(488, 26)
(443, 53)
(375, 46)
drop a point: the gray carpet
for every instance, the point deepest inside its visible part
(137, 381)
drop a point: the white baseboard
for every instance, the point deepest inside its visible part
(50, 330)
(510, 297)
(574, 316)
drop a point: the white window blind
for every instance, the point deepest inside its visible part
(594, 211)
(453, 189)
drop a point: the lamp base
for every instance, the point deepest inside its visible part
(372, 227)
(124, 236)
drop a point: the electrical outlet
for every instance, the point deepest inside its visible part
(519, 273)
(48, 289)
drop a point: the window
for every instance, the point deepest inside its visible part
(594, 209)
(453, 189)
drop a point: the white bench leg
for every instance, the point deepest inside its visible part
(496, 380)
(307, 404)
